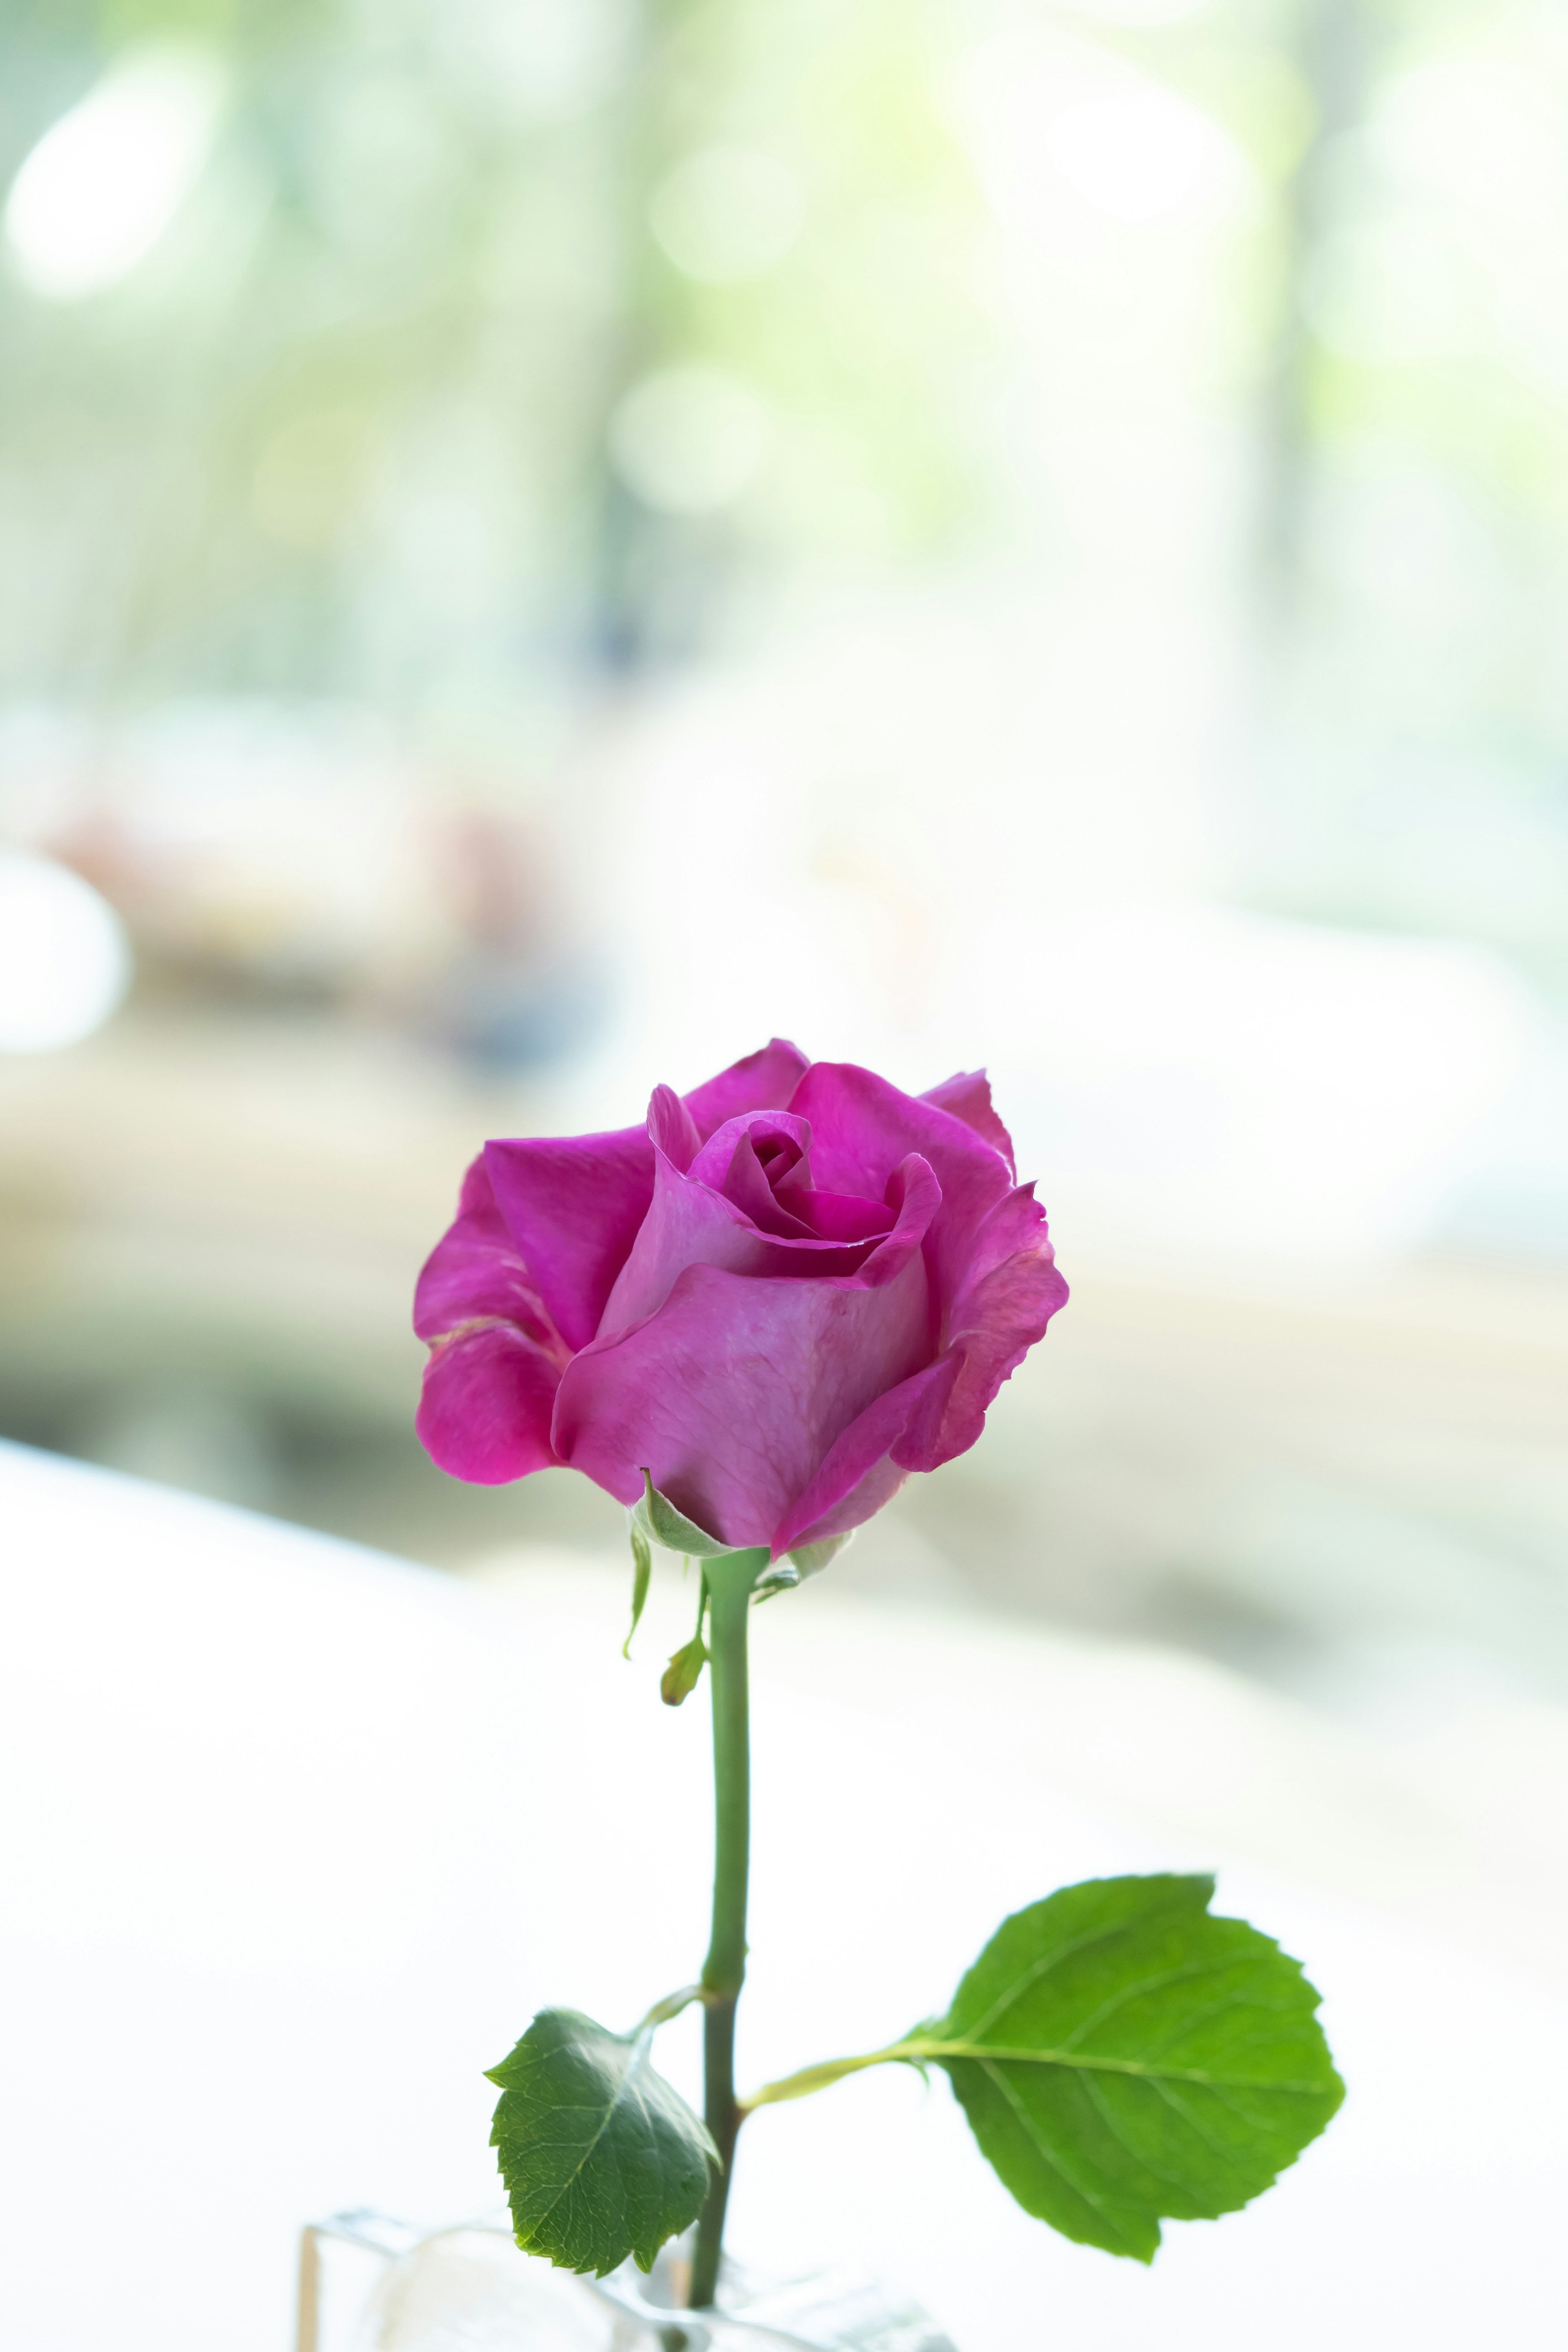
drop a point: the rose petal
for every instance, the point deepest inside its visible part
(746, 1187)
(834, 1216)
(729, 1162)
(914, 1197)
(672, 1127)
(1013, 1289)
(862, 1471)
(780, 1198)
(967, 1095)
(763, 1081)
(789, 1135)
(690, 1224)
(476, 1270)
(862, 1128)
(574, 1202)
(731, 1394)
(485, 1409)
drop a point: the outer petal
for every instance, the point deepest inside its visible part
(862, 1127)
(731, 1394)
(485, 1410)
(476, 1270)
(672, 1127)
(967, 1095)
(1013, 1289)
(862, 1471)
(573, 1204)
(763, 1081)
(490, 1382)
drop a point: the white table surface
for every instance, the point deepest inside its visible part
(295, 1837)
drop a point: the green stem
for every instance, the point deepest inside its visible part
(730, 1581)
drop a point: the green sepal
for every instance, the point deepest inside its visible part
(600, 2157)
(813, 1558)
(1148, 2060)
(683, 1673)
(658, 1518)
(797, 1564)
(642, 1570)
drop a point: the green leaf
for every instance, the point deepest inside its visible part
(600, 2157)
(642, 1570)
(683, 1672)
(1121, 2056)
(660, 1518)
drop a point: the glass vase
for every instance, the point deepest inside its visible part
(368, 2283)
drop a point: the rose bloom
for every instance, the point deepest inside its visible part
(792, 1287)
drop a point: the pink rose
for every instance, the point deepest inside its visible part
(793, 1286)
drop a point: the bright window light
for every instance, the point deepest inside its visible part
(1050, 117)
(105, 182)
(1142, 153)
(1139, 12)
(64, 961)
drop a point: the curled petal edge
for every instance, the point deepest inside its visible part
(485, 1406)
(938, 1413)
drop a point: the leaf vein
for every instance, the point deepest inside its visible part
(1043, 2148)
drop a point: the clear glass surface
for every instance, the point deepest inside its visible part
(368, 2283)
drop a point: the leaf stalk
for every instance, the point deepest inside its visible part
(918, 2049)
(670, 2006)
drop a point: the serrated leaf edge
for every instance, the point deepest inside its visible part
(1179, 1897)
(641, 2042)
(640, 2048)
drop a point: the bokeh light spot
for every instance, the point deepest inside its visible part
(727, 214)
(106, 181)
(688, 439)
(65, 962)
(1142, 153)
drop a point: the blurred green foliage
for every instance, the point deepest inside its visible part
(369, 419)
(415, 280)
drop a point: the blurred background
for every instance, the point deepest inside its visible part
(544, 540)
